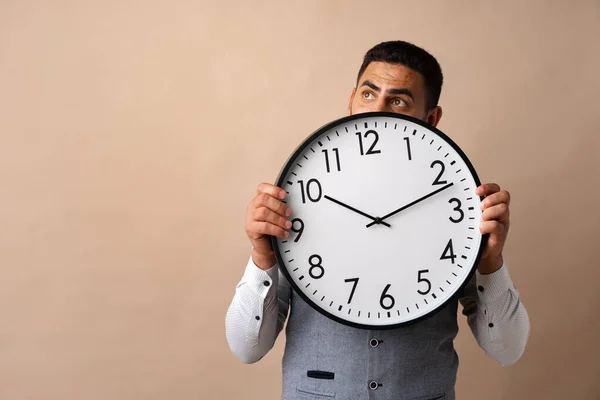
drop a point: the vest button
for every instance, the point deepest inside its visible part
(374, 342)
(373, 385)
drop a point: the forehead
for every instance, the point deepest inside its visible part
(386, 75)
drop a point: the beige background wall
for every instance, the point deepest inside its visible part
(133, 134)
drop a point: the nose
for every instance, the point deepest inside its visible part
(379, 105)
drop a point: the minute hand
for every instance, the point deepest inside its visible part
(413, 203)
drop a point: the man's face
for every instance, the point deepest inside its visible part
(392, 88)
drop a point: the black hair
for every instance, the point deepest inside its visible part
(413, 57)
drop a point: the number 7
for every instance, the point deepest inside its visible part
(355, 280)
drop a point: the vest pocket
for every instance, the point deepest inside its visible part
(315, 394)
(320, 374)
(436, 397)
(317, 385)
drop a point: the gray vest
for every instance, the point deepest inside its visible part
(324, 359)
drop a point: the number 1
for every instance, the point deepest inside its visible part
(408, 148)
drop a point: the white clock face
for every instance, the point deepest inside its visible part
(385, 220)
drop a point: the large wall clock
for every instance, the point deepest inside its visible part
(385, 220)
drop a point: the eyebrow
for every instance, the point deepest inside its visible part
(390, 91)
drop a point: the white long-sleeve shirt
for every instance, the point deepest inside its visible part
(498, 320)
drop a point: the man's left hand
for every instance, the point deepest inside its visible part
(495, 221)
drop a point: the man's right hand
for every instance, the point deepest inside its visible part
(266, 216)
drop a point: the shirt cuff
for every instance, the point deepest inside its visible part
(258, 280)
(492, 286)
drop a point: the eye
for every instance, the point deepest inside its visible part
(367, 95)
(399, 103)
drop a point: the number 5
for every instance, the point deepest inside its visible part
(421, 279)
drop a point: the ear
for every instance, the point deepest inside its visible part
(434, 115)
(349, 111)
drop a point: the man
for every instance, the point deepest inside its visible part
(325, 359)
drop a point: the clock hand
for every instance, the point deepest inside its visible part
(411, 204)
(376, 220)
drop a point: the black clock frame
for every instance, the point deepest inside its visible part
(290, 162)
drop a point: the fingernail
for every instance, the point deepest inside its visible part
(286, 233)
(288, 212)
(288, 224)
(282, 194)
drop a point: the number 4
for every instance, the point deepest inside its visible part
(448, 249)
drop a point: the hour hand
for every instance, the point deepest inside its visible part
(376, 220)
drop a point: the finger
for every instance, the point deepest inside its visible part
(491, 227)
(495, 199)
(266, 200)
(498, 212)
(266, 228)
(271, 190)
(266, 215)
(486, 189)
